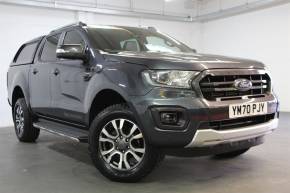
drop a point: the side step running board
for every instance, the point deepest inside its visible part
(73, 133)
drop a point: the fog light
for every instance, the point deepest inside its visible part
(169, 118)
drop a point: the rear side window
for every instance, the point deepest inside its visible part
(26, 53)
(49, 49)
(73, 37)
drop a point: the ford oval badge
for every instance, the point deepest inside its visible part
(243, 84)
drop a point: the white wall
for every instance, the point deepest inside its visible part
(19, 24)
(262, 35)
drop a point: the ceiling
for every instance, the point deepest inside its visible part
(181, 10)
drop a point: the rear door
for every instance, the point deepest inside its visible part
(40, 74)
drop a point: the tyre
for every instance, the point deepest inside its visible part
(22, 118)
(232, 154)
(118, 147)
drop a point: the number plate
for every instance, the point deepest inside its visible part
(244, 110)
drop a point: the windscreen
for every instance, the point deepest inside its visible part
(117, 39)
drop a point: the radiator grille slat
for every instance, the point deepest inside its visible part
(230, 83)
(218, 87)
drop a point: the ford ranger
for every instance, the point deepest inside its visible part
(137, 94)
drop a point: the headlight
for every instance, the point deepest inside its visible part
(170, 78)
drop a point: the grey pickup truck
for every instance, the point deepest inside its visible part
(135, 95)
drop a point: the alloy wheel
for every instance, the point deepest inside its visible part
(19, 120)
(121, 144)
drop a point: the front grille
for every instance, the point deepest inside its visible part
(219, 87)
(237, 123)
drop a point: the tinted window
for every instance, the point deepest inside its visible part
(115, 39)
(26, 53)
(49, 48)
(73, 37)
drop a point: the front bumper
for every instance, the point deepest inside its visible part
(199, 112)
(210, 137)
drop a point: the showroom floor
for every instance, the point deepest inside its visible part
(55, 164)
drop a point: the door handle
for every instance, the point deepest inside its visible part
(87, 76)
(56, 72)
(35, 71)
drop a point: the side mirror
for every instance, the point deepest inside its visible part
(71, 51)
(194, 50)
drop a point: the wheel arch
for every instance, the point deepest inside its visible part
(17, 83)
(102, 100)
(16, 94)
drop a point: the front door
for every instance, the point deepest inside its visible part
(68, 85)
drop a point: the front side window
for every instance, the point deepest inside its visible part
(73, 37)
(109, 38)
(49, 49)
(26, 54)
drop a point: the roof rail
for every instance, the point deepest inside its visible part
(81, 24)
(152, 28)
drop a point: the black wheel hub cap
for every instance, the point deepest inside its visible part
(122, 144)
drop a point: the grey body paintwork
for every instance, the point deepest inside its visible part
(70, 96)
(191, 61)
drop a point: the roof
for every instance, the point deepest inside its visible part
(34, 40)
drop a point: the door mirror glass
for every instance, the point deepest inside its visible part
(71, 51)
